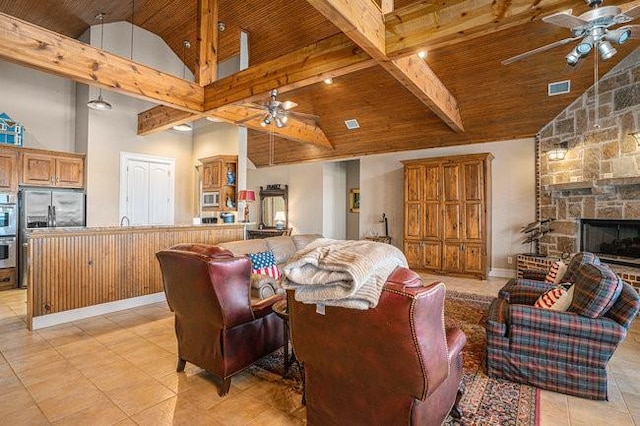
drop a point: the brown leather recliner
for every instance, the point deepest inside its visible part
(391, 365)
(217, 327)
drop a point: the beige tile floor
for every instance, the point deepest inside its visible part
(119, 369)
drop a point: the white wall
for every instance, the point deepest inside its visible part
(334, 205)
(305, 193)
(42, 103)
(114, 131)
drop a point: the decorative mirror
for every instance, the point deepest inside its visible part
(274, 206)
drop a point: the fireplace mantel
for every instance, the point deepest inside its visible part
(590, 184)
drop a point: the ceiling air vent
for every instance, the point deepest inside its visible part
(559, 88)
(352, 124)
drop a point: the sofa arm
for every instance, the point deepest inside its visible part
(523, 292)
(497, 317)
(603, 330)
(265, 285)
(534, 274)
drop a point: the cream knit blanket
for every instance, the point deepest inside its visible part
(350, 274)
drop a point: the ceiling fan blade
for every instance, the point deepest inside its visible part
(632, 13)
(539, 49)
(565, 19)
(249, 118)
(304, 116)
(287, 105)
(254, 106)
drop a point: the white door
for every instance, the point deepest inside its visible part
(146, 190)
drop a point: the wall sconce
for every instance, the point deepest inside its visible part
(558, 153)
(636, 136)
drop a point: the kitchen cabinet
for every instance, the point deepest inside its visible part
(63, 170)
(447, 206)
(8, 170)
(219, 174)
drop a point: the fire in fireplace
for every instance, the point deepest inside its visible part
(613, 240)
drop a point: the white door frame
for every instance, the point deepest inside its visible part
(125, 157)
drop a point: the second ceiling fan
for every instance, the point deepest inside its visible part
(593, 29)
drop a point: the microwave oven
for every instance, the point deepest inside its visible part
(211, 199)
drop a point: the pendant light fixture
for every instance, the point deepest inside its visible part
(100, 104)
(184, 127)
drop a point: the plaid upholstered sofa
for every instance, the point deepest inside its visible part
(561, 351)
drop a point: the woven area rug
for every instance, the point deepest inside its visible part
(486, 401)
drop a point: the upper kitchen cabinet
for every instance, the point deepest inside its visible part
(53, 169)
(219, 175)
(8, 170)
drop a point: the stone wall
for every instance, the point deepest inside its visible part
(600, 175)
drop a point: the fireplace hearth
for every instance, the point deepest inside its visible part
(613, 240)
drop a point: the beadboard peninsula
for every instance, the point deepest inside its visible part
(74, 273)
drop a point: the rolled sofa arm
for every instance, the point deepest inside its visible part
(264, 285)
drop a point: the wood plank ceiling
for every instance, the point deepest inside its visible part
(496, 102)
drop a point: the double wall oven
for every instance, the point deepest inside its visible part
(8, 228)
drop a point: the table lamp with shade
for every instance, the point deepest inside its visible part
(279, 219)
(248, 197)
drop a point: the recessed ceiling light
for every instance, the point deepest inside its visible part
(352, 124)
(184, 127)
(422, 54)
(328, 80)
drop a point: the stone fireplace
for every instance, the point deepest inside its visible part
(600, 176)
(613, 240)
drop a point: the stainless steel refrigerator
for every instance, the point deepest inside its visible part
(46, 208)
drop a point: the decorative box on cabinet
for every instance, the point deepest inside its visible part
(219, 174)
(64, 170)
(447, 214)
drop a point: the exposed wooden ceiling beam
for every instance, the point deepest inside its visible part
(207, 42)
(363, 22)
(163, 118)
(26, 44)
(430, 25)
(331, 57)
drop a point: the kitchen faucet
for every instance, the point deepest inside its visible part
(122, 221)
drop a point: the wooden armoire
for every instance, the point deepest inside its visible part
(447, 214)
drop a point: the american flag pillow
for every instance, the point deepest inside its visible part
(264, 263)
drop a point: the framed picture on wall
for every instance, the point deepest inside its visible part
(354, 200)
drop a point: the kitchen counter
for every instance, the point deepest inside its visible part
(128, 229)
(74, 272)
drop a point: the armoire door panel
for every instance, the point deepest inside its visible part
(432, 252)
(413, 253)
(414, 184)
(413, 220)
(472, 258)
(432, 220)
(432, 183)
(473, 221)
(451, 183)
(451, 222)
(473, 181)
(451, 258)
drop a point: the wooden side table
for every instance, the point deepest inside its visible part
(380, 239)
(280, 308)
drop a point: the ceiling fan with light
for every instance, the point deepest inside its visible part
(593, 29)
(277, 112)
